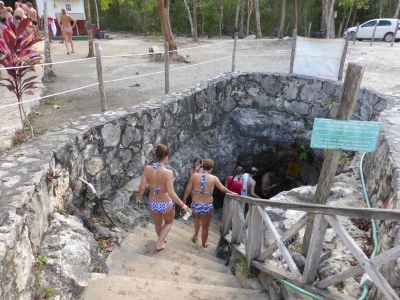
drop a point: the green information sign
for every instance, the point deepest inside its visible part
(346, 135)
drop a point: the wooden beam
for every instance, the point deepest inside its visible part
(281, 245)
(347, 102)
(280, 272)
(358, 212)
(242, 222)
(227, 215)
(236, 226)
(368, 266)
(253, 247)
(287, 235)
(381, 259)
(294, 41)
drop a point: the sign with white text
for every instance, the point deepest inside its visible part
(346, 135)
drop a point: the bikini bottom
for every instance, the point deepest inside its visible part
(67, 29)
(160, 207)
(201, 209)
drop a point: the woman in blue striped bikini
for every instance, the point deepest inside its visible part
(160, 181)
(202, 185)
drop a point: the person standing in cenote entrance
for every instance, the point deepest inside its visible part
(162, 197)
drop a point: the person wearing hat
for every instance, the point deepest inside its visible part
(3, 13)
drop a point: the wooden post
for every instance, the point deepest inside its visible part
(394, 34)
(253, 247)
(347, 102)
(100, 78)
(294, 40)
(166, 60)
(236, 226)
(343, 59)
(309, 30)
(373, 34)
(234, 52)
(355, 38)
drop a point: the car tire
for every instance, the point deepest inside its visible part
(360, 40)
(388, 37)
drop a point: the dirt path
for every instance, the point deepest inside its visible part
(264, 55)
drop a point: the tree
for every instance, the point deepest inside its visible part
(163, 13)
(190, 17)
(282, 24)
(249, 11)
(49, 75)
(195, 20)
(89, 28)
(328, 18)
(396, 14)
(257, 14)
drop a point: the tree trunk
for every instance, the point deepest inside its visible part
(49, 75)
(257, 14)
(249, 11)
(295, 15)
(221, 14)
(237, 16)
(163, 13)
(282, 25)
(348, 19)
(381, 8)
(89, 28)
(190, 18)
(195, 20)
(396, 14)
(241, 30)
(328, 19)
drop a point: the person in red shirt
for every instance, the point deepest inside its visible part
(235, 185)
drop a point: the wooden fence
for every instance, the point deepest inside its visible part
(248, 230)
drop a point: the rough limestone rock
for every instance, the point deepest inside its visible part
(71, 253)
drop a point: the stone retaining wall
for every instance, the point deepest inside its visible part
(110, 149)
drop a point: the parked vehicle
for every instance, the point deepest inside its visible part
(384, 31)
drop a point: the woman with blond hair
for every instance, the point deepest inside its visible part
(202, 185)
(162, 197)
(64, 21)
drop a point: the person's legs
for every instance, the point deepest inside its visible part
(72, 43)
(168, 217)
(205, 223)
(66, 40)
(197, 221)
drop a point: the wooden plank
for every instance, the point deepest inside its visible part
(314, 253)
(236, 227)
(357, 212)
(394, 34)
(343, 58)
(381, 259)
(373, 34)
(253, 247)
(227, 221)
(166, 64)
(281, 245)
(276, 271)
(242, 223)
(347, 102)
(99, 66)
(355, 37)
(368, 266)
(287, 235)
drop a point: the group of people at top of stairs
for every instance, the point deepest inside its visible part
(162, 197)
(24, 10)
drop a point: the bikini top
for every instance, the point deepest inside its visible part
(203, 186)
(157, 189)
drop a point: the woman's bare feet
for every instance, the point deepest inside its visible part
(159, 248)
(206, 245)
(194, 239)
(67, 53)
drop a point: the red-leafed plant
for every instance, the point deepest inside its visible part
(19, 56)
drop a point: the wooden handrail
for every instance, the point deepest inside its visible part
(359, 212)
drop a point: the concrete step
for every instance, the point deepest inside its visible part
(189, 227)
(136, 265)
(105, 287)
(145, 244)
(184, 244)
(185, 236)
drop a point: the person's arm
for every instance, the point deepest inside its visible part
(171, 192)
(222, 188)
(73, 20)
(191, 172)
(188, 190)
(142, 186)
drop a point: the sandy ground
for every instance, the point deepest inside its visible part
(208, 58)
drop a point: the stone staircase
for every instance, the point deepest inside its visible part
(183, 270)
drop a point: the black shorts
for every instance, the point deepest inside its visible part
(34, 22)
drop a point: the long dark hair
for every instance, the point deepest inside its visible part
(238, 170)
